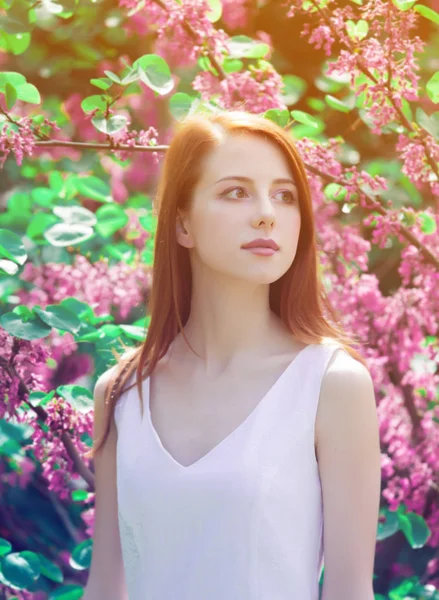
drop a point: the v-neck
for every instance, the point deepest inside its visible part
(229, 436)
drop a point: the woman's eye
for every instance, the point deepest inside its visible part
(289, 195)
(235, 189)
(241, 193)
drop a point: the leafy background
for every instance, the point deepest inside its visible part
(77, 236)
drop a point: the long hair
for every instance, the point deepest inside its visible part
(297, 298)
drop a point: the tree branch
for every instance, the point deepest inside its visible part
(42, 415)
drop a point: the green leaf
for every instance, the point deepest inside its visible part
(427, 13)
(403, 5)
(28, 93)
(294, 88)
(305, 118)
(52, 7)
(81, 555)
(205, 64)
(93, 102)
(133, 332)
(278, 116)
(390, 525)
(103, 83)
(75, 214)
(82, 310)
(8, 267)
(357, 31)
(414, 528)
(13, 26)
(345, 105)
(408, 218)
(41, 398)
(49, 569)
(11, 95)
(66, 234)
(12, 77)
(39, 224)
(215, 10)
(180, 104)
(130, 76)
(111, 125)
(56, 181)
(316, 104)
(17, 44)
(154, 72)
(12, 435)
(312, 6)
(44, 196)
(432, 88)
(428, 122)
(407, 109)
(67, 592)
(19, 432)
(242, 46)
(19, 203)
(91, 336)
(143, 322)
(336, 192)
(11, 247)
(24, 312)
(77, 396)
(94, 188)
(406, 589)
(149, 222)
(115, 78)
(32, 329)
(59, 317)
(111, 218)
(121, 251)
(79, 495)
(5, 547)
(232, 65)
(21, 568)
(428, 223)
(328, 85)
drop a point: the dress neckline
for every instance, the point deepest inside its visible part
(238, 429)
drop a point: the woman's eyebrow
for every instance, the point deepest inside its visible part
(248, 179)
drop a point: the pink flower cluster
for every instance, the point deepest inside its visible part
(21, 142)
(133, 138)
(107, 288)
(414, 159)
(388, 50)
(22, 357)
(393, 329)
(175, 42)
(57, 466)
(255, 90)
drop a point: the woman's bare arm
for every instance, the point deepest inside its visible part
(106, 577)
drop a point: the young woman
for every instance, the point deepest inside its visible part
(237, 448)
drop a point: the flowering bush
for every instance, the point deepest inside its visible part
(77, 231)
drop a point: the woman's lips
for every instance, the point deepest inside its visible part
(262, 250)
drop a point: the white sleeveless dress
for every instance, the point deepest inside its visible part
(245, 521)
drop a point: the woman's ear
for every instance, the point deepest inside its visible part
(183, 236)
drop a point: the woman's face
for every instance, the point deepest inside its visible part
(238, 200)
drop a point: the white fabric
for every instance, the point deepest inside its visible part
(244, 522)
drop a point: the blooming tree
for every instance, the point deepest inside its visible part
(76, 241)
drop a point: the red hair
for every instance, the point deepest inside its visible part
(297, 298)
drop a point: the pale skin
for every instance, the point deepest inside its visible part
(196, 401)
